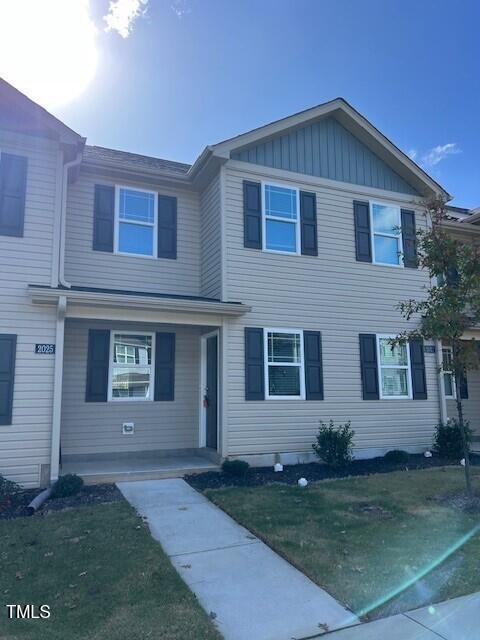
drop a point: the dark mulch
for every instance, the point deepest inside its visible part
(16, 506)
(314, 471)
(461, 502)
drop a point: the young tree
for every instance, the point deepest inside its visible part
(451, 304)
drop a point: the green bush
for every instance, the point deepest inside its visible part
(235, 467)
(67, 485)
(334, 444)
(397, 456)
(8, 491)
(448, 439)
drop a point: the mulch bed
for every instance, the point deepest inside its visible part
(16, 506)
(313, 471)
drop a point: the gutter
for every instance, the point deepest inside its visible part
(63, 214)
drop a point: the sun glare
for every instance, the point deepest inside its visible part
(47, 48)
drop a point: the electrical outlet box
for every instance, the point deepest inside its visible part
(128, 428)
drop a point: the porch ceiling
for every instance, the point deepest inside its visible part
(106, 304)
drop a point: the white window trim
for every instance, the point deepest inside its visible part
(448, 372)
(296, 222)
(143, 224)
(394, 366)
(111, 364)
(386, 235)
(301, 366)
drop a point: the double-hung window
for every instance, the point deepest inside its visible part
(131, 366)
(448, 376)
(281, 229)
(136, 222)
(386, 227)
(393, 369)
(284, 371)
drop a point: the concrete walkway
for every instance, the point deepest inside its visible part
(249, 591)
(457, 619)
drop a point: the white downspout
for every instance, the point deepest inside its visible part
(63, 222)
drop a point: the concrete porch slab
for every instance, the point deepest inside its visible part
(136, 467)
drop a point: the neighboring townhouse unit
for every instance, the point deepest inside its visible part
(158, 317)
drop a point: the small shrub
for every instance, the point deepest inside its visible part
(397, 456)
(448, 439)
(334, 444)
(235, 467)
(67, 485)
(9, 491)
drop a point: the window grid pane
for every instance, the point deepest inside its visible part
(137, 206)
(132, 349)
(448, 385)
(386, 220)
(397, 356)
(284, 347)
(281, 202)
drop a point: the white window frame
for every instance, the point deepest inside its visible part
(113, 364)
(408, 368)
(386, 235)
(116, 249)
(450, 373)
(297, 251)
(301, 366)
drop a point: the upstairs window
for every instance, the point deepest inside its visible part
(136, 222)
(386, 227)
(284, 364)
(393, 369)
(281, 213)
(131, 369)
(448, 377)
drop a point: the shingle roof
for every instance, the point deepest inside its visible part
(102, 154)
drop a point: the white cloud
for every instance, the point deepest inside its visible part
(180, 8)
(439, 153)
(122, 14)
(412, 154)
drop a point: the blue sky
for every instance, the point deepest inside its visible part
(194, 72)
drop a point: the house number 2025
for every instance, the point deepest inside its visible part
(45, 348)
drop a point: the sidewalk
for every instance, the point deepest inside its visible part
(248, 590)
(457, 619)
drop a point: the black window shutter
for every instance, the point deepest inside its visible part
(368, 361)
(417, 364)
(97, 365)
(409, 239)
(103, 217)
(8, 346)
(312, 346)
(308, 222)
(13, 184)
(463, 383)
(254, 365)
(252, 215)
(167, 227)
(363, 245)
(164, 366)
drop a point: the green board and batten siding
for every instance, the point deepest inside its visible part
(327, 150)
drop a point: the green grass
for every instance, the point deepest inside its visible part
(102, 575)
(366, 539)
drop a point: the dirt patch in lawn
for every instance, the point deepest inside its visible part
(460, 502)
(314, 471)
(16, 505)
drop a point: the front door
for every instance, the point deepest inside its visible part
(211, 392)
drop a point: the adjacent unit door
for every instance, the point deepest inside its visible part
(211, 392)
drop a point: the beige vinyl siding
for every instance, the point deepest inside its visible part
(86, 267)
(471, 406)
(340, 297)
(211, 240)
(96, 427)
(25, 444)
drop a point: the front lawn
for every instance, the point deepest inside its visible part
(102, 575)
(379, 544)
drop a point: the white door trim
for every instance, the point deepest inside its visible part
(202, 431)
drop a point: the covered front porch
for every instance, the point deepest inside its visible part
(141, 394)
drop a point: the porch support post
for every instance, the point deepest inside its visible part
(223, 430)
(57, 389)
(441, 388)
